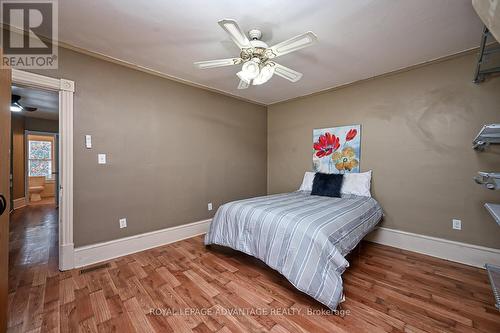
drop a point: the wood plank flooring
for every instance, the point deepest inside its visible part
(185, 287)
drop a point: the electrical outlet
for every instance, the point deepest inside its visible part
(101, 158)
(210, 206)
(123, 223)
(457, 224)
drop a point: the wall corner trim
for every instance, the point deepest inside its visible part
(66, 256)
(92, 254)
(468, 254)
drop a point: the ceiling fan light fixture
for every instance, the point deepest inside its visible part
(251, 69)
(244, 77)
(15, 108)
(266, 72)
(255, 55)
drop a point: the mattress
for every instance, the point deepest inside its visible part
(302, 236)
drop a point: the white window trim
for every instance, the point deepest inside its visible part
(66, 89)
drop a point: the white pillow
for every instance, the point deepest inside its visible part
(357, 184)
(307, 182)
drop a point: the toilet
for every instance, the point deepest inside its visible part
(36, 187)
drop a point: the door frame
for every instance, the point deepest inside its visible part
(66, 89)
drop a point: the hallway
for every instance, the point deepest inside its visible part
(33, 258)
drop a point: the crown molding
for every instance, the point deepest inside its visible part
(201, 86)
(383, 75)
(133, 66)
(218, 91)
(152, 71)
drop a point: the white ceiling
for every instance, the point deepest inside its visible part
(357, 39)
(47, 102)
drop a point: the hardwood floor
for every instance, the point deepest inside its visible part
(387, 290)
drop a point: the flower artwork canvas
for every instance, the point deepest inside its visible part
(337, 149)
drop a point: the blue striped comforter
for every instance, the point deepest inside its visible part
(302, 236)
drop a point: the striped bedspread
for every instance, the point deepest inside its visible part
(302, 236)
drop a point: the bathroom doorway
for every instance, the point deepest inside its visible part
(41, 169)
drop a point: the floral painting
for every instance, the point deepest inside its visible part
(337, 149)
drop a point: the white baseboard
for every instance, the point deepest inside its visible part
(19, 203)
(464, 253)
(91, 254)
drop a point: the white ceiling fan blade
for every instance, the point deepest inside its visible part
(287, 73)
(217, 63)
(237, 35)
(243, 85)
(293, 44)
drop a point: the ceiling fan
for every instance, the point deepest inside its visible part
(16, 107)
(257, 57)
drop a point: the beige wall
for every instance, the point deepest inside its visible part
(41, 125)
(171, 149)
(417, 129)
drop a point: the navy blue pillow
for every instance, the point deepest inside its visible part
(327, 185)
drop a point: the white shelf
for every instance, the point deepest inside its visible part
(495, 175)
(494, 210)
(494, 275)
(489, 134)
(491, 180)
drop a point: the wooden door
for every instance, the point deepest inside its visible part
(5, 78)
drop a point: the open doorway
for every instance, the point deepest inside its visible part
(64, 90)
(34, 160)
(34, 227)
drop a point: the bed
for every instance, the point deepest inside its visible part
(304, 237)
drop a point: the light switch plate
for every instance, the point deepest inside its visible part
(101, 158)
(88, 141)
